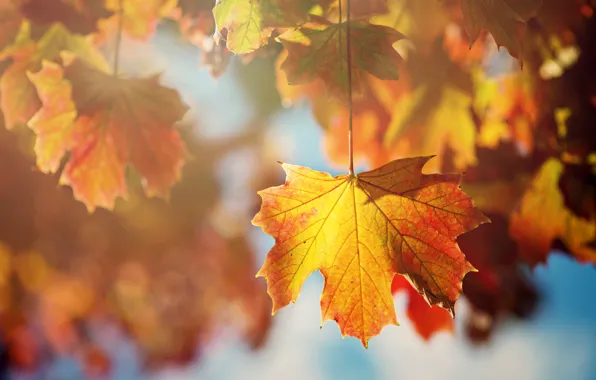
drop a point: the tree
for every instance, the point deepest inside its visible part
(502, 91)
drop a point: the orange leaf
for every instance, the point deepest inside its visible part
(27, 55)
(543, 217)
(106, 123)
(22, 102)
(427, 320)
(314, 52)
(360, 231)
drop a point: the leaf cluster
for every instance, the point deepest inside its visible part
(502, 90)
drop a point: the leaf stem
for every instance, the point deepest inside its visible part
(118, 36)
(349, 69)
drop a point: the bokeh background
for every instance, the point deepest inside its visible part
(160, 290)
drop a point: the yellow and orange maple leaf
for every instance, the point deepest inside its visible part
(106, 123)
(360, 231)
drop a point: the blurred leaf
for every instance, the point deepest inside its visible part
(19, 99)
(542, 217)
(139, 17)
(152, 270)
(244, 22)
(504, 19)
(450, 123)
(500, 288)
(106, 123)
(427, 320)
(78, 16)
(318, 50)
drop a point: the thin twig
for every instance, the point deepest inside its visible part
(118, 37)
(350, 105)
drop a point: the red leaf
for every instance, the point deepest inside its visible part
(427, 319)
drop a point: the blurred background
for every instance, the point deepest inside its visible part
(167, 290)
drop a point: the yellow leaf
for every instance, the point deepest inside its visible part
(543, 217)
(360, 231)
(449, 122)
(243, 20)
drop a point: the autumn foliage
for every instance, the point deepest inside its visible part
(360, 231)
(502, 91)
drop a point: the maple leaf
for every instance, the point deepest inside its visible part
(542, 217)
(360, 231)
(244, 22)
(504, 19)
(19, 100)
(427, 320)
(106, 123)
(314, 52)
